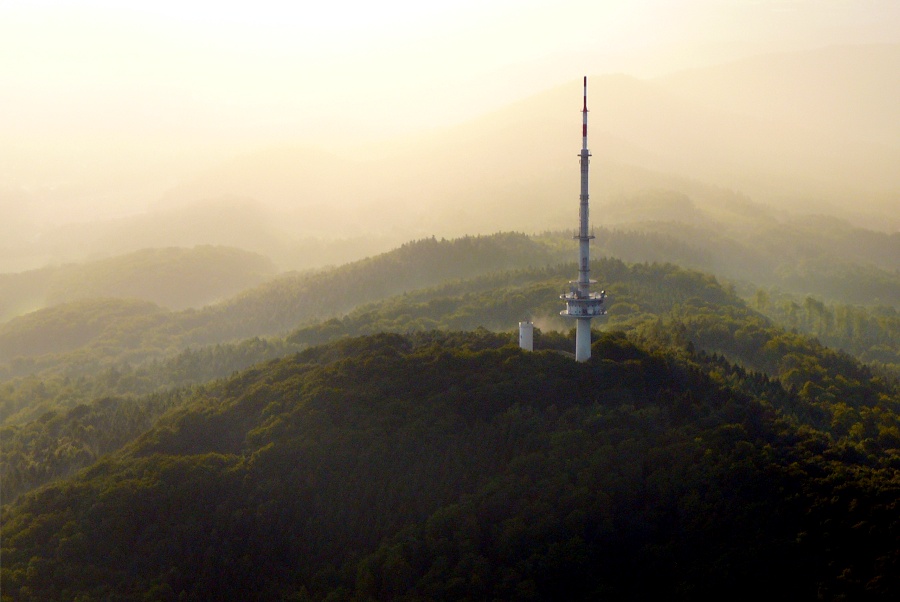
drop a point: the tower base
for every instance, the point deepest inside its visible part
(582, 340)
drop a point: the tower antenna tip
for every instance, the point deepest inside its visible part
(584, 107)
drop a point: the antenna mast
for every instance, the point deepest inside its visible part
(581, 303)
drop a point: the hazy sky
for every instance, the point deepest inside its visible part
(96, 85)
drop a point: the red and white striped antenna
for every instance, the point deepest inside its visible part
(584, 112)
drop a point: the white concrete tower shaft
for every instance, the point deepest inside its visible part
(581, 303)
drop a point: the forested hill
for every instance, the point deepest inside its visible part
(281, 305)
(456, 466)
(742, 243)
(102, 331)
(496, 301)
(56, 424)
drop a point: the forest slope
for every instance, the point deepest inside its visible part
(56, 424)
(126, 347)
(732, 238)
(444, 466)
(110, 331)
(496, 301)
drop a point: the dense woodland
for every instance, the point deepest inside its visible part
(449, 466)
(372, 432)
(870, 333)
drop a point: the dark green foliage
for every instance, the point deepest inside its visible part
(455, 466)
(26, 398)
(703, 452)
(871, 334)
(496, 301)
(61, 442)
(659, 304)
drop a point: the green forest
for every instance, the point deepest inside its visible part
(371, 431)
(454, 465)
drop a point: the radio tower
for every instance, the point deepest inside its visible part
(581, 303)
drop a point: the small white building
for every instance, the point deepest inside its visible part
(526, 336)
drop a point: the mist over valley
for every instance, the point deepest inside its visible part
(512, 169)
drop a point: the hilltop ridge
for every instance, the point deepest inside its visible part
(454, 464)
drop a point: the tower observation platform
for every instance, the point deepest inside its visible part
(581, 303)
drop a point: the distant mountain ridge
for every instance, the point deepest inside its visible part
(126, 330)
(807, 132)
(175, 278)
(849, 88)
(733, 239)
(514, 168)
